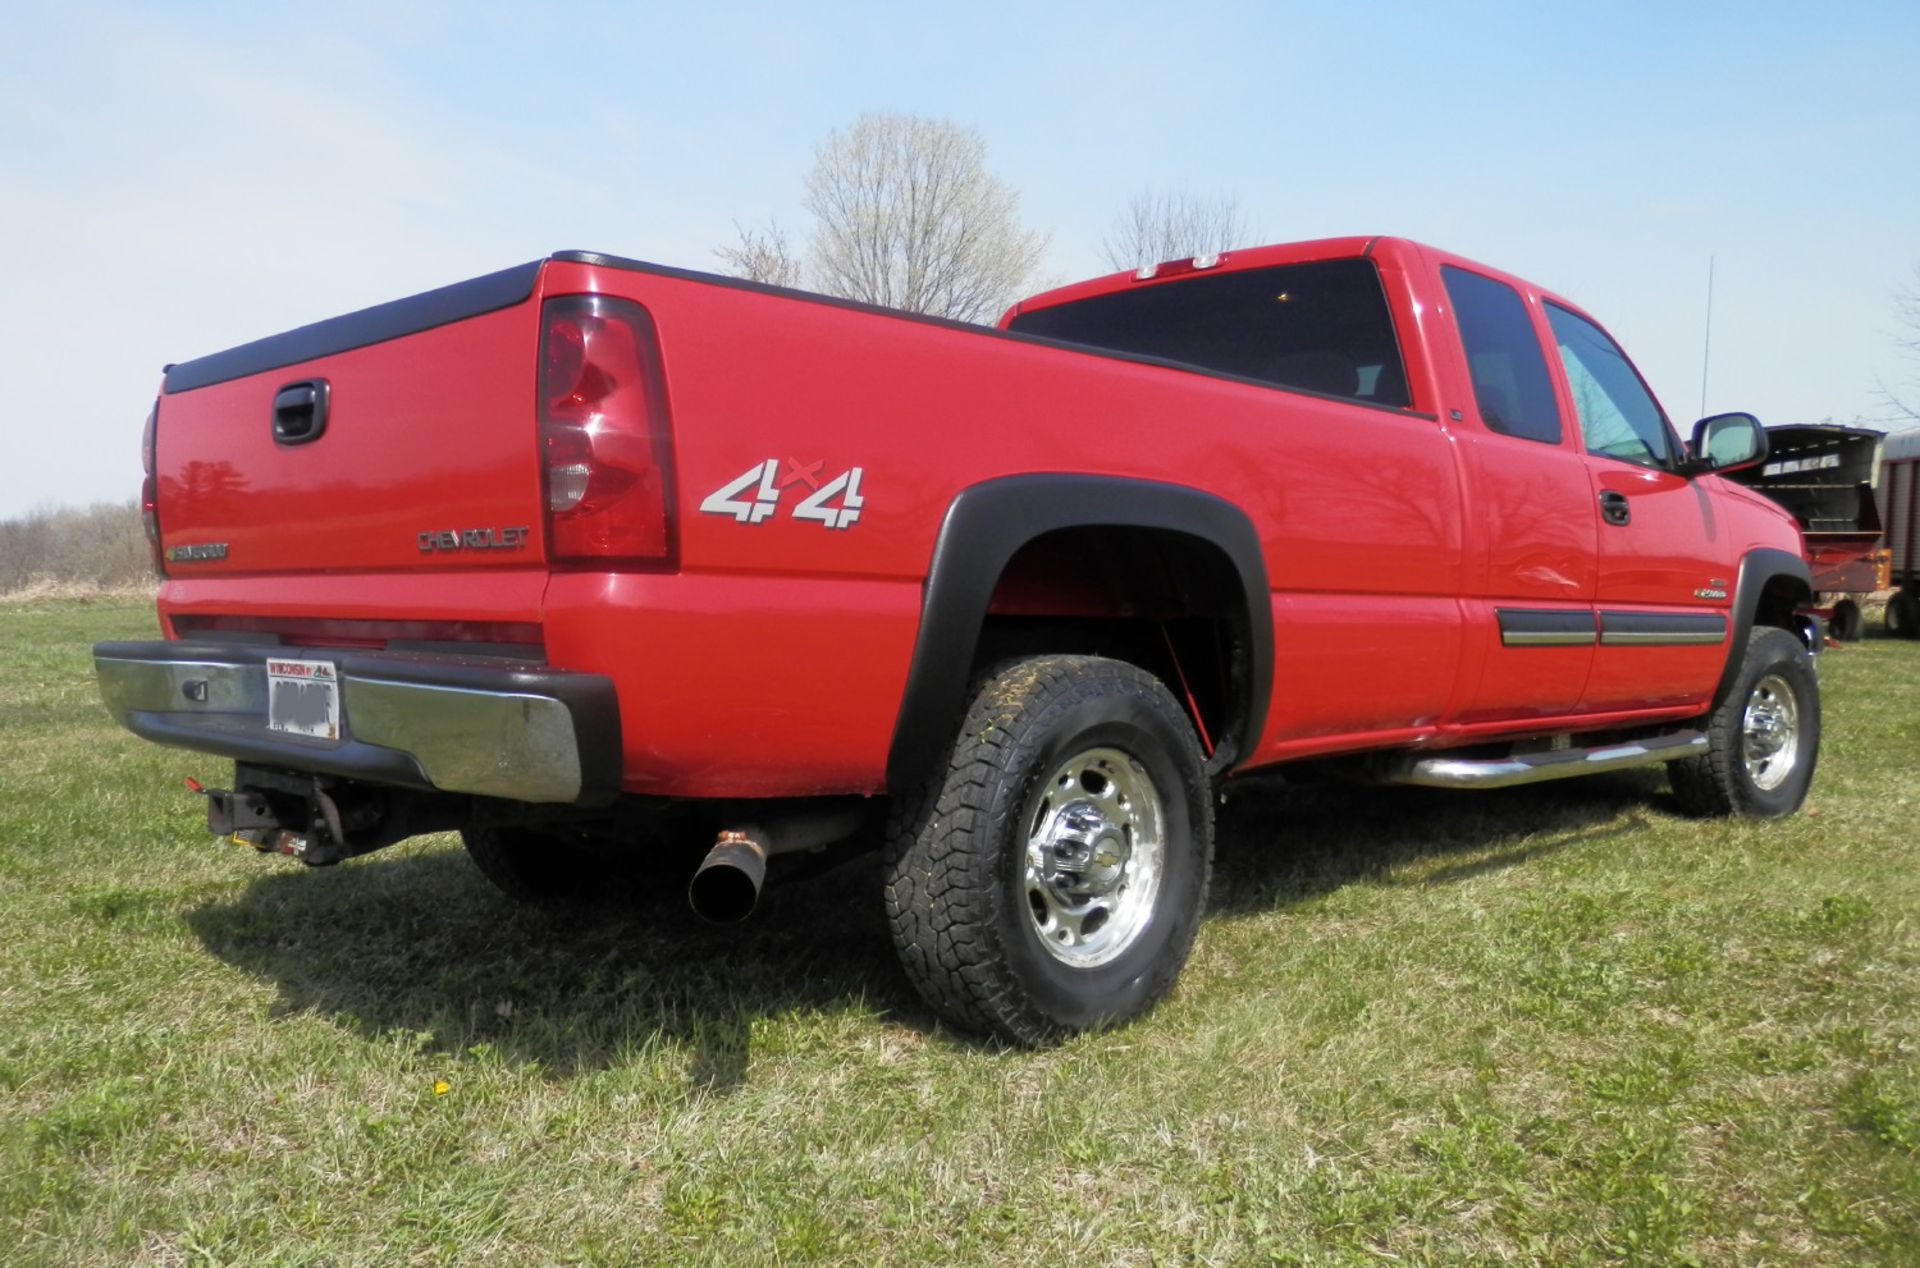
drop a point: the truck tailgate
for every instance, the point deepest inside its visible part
(426, 456)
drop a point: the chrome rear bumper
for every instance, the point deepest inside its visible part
(448, 723)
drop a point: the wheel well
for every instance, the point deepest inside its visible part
(1169, 602)
(1053, 561)
(1773, 583)
(1778, 599)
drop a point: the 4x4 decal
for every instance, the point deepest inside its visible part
(768, 482)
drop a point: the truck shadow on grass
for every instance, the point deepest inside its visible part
(1279, 846)
(422, 944)
(417, 943)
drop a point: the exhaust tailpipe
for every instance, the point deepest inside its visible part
(726, 887)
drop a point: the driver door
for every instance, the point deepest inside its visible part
(1664, 568)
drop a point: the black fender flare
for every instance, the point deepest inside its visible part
(1758, 569)
(987, 523)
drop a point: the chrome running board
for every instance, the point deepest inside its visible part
(1534, 768)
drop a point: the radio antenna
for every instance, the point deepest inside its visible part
(1706, 348)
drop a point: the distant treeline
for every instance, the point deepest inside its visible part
(75, 550)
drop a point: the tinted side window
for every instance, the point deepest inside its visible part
(1510, 382)
(1618, 416)
(1320, 327)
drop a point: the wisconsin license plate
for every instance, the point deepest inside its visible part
(303, 698)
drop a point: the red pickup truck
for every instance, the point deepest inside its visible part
(589, 555)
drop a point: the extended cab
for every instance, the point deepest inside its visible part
(589, 555)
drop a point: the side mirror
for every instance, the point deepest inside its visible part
(1726, 442)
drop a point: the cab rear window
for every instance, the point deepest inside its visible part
(1510, 383)
(1320, 327)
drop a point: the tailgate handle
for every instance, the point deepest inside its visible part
(300, 411)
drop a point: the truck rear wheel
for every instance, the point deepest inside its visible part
(1763, 741)
(1903, 615)
(1050, 877)
(531, 866)
(1846, 624)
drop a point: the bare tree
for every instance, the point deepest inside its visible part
(762, 255)
(1906, 308)
(1173, 226)
(906, 215)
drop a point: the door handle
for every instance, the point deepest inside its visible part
(1614, 507)
(300, 411)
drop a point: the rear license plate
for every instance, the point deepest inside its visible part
(303, 698)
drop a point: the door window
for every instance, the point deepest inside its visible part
(1618, 416)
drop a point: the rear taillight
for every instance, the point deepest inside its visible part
(604, 433)
(150, 492)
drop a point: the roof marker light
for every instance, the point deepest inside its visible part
(1175, 268)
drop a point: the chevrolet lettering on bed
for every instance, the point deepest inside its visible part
(781, 578)
(472, 539)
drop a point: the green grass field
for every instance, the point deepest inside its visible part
(1554, 1025)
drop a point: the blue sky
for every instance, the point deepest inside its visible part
(175, 179)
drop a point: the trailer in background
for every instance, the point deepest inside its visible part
(1900, 510)
(1825, 476)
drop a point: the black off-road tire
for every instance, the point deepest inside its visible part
(542, 868)
(1903, 615)
(1735, 775)
(1847, 624)
(964, 908)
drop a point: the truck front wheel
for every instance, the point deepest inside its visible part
(1049, 878)
(1764, 738)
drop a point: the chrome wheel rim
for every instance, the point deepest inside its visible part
(1096, 852)
(1770, 733)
